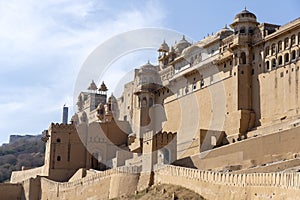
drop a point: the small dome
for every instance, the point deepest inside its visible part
(181, 45)
(245, 14)
(224, 32)
(92, 86)
(103, 87)
(164, 47)
(244, 17)
(148, 67)
(192, 50)
(111, 99)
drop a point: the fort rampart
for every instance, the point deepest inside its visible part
(215, 185)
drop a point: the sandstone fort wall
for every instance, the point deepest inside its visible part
(214, 185)
(103, 185)
(19, 176)
(11, 191)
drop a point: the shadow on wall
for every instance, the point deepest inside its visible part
(185, 162)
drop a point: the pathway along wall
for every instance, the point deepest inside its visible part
(214, 185)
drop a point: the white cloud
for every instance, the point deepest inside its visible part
(43, 45)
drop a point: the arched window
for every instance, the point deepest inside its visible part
(267, 51)
(58, 158)
(286, 43)
(243, 58)
(58, 140)
(280, 60)
(165, 156)
(286, 58)
(144, 102)
(273, 49)
(280, 45)
(293, 55)
(293, 39)
(250, 31)
(268, 65)
(273, 63)
(242, 30)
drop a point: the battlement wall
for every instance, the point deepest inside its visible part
(61, 126)
(232, 186)
(101, 185)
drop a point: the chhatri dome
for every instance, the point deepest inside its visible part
(164, 47)
(244, 16)
(102, 87)
(182, 44)
(92, 86)
(147, 67)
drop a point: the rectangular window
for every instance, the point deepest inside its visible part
(69, 151)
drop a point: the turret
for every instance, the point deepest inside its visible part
(244, 23)
(163, 56)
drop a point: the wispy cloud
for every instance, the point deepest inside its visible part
(42, 46)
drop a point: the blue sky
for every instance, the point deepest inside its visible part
(44, 43)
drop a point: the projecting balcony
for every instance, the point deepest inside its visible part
(223, 57)
(135, 144)
(241, 39)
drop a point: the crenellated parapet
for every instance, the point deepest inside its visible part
(275, 180)
(61, 127)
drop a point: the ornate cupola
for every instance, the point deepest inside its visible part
(244, 23)
(93, 86)
(102, 89)
(181, 45)
(163, 55)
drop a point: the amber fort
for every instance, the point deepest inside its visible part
(220, 116)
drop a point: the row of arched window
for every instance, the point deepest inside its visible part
(282, 59)
(143, 103)
(243, 30)
(281, 45)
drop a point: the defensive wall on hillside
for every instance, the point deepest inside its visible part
(216, 185)
(116, 182)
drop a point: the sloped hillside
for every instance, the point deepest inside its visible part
(164, 191)
(27, 151)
